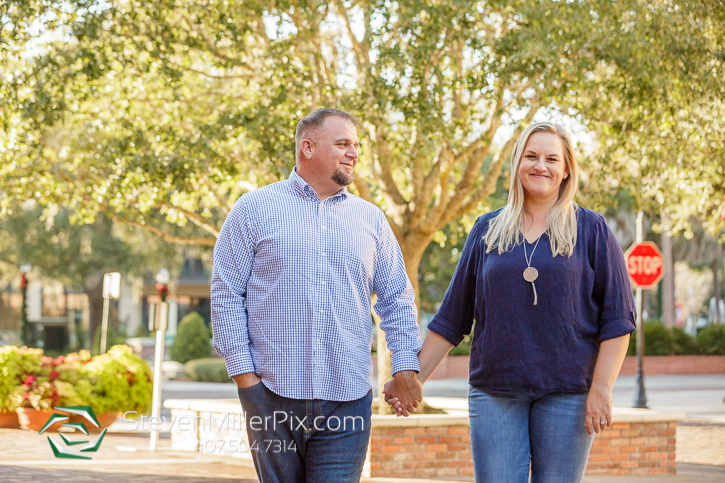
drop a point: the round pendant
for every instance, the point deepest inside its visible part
(531, 274)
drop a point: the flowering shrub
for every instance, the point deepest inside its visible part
(16, 364)
(47, 385)
(118, 380)
(115, 381)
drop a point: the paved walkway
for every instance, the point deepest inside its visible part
(26, 456)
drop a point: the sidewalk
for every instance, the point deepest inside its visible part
(26, 456)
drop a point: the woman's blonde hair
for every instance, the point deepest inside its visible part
(504, 231)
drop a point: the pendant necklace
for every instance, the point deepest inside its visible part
(531, 274)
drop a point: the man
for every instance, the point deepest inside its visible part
(295, 266)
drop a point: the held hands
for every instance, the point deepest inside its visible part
(404, 392)
(247, 379)
(599, 409)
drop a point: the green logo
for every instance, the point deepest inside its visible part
(85, 411)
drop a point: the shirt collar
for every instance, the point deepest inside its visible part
(304, 189)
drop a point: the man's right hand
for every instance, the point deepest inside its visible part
(247, 379)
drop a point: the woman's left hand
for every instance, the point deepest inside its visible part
(599, 409)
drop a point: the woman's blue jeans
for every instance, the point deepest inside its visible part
(512, 430)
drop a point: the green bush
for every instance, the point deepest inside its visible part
(462, 349)
(659, 341)
(118, 380)
(210, 369)
(711, 340)
(685, 344)
(16, 364)
(192, 339)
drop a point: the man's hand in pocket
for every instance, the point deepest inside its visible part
(248, 379)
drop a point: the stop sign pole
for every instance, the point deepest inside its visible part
(646, 269)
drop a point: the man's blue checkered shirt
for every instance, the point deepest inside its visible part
(291, 288)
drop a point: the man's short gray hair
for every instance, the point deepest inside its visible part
(315, 119)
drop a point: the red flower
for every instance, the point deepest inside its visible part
(29, 380)
(54, 375)
(46, 360)
(58, 360)
(25, 396)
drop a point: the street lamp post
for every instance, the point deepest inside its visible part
(26, 332)
(158, 320)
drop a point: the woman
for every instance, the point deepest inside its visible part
(546, 282)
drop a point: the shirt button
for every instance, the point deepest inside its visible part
(323, 227)
(322, 311)
(323, 282)
(323, 254)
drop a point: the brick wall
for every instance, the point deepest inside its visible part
(640, 442)
(634, 449)
(656, 365)
(451, 366)
(420, 452)
(457, 366)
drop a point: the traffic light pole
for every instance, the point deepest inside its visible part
(640, 398)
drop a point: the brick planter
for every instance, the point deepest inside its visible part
(640, 442)
(432, 446)
(420, 447)
(671, 365)
(457, 366)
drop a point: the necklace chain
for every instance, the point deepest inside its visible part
(528, 259)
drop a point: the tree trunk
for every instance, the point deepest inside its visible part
(668, 284)
(716, 285)
(94, 290)
(413, 246)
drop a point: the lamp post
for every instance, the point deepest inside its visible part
(26, 332)
(158, 320)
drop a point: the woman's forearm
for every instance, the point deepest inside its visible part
(434, 350)
(609, 362)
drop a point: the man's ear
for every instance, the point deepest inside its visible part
(307, 147)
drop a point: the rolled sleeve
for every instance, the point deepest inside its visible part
(454, 319)
(396, 303)
(232, 267)
(612, 289)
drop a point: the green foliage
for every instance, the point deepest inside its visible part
(684, 343)
(162, 113)
(462, 349)
(116, 381)
(46, 382)
(212, 369)
(659, 341)
(15, 365)
(712, 340)
(192, 339)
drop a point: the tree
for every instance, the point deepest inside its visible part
(177, 107)
(660, 126)
(79, 255)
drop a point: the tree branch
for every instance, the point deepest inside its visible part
(488, 186)
(205, 241)
(195, 218)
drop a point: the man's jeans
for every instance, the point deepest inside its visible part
(298, 440)
(512, 430)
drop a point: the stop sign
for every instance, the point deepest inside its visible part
(645, 265)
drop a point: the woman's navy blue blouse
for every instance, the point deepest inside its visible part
(553, 346)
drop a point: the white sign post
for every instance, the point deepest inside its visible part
(111, 290)
(158, 320)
